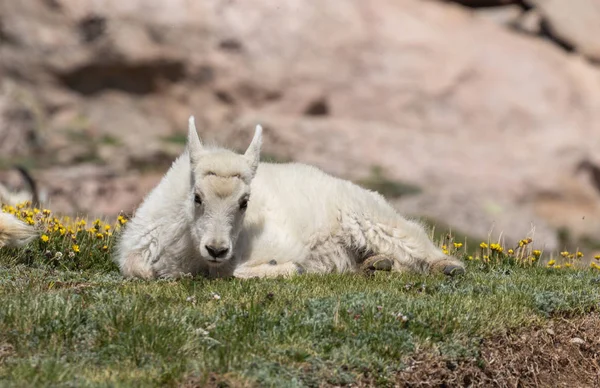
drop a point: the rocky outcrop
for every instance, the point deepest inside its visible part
(488, 122)
(575, 24)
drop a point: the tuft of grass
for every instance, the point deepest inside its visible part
(176, 138)
(110, 140)
(378, 181)
(74, 321)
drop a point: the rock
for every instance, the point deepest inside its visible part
(574, 23)
(505, 16)
(486, 3)
(95, 190)
(529, 22)
(19, 121)
(577, 341)
(490, 124)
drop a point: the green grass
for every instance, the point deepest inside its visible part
(176, 138)
(379, 181)
(89, 328)
(73, 321)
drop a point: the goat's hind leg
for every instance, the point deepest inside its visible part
(409, 247)
(376, 263)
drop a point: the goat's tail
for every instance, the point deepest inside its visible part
(14, 232)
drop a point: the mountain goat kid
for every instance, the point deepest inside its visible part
(15, 233)
(219, 213)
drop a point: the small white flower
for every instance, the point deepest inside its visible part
(216, 296)
(402, 317)
(191, 299)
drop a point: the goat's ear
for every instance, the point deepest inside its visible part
(253, 151)
(194, 145)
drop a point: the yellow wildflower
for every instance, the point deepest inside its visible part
(511, 251)
(537, 253)
(469, 257)
(525, 242)
(99, 236)
(458, 245)
(107, 227)
(105, 247)
(496, 247)
(551, 263)
(75, 248)
(597, 257)
(483, 245)
(568, 265)
(564, 253)
(579, 254)
(557, 266)
(44, 238)
(122, 220)
(595, 265)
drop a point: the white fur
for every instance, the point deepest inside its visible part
(298, 217)
(14, 232)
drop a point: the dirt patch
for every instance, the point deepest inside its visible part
(77, 287)
(213, 380)
(6, 350)
(564, 353)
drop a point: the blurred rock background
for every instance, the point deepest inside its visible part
(473, 114)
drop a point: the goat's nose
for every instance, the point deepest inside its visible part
(216, 252)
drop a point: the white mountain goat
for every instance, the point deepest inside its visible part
(14, 232)
(219, 213)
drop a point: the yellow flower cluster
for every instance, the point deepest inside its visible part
(496, 248)
(523, 254)
(524, 242)
(445, 250)
(452, 246)
(65, 234)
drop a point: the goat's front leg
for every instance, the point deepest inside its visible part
(268, 270)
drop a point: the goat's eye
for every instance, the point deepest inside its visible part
(197, 199)
(243, 204)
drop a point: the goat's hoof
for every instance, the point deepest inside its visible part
(273, 262)
(453, 270)
(377, 263)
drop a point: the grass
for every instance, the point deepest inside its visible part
(69, 319)
(176, 138)
(379, 181)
